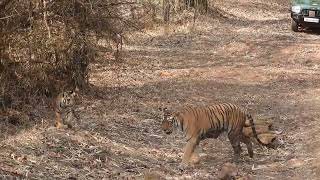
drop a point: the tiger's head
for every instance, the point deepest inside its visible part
(168, 121)
(68, 98)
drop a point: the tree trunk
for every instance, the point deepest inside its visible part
(166, 11)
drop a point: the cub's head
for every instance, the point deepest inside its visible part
(168, 121)
(68, 98)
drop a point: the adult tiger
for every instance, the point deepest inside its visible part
(199, 123)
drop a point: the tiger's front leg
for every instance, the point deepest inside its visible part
(189, 151)
(195, 158)
(58, 122)
(69, 117)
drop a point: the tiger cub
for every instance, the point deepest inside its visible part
(64, 109)
(199, 123)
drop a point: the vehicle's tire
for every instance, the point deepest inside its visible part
(294, 26)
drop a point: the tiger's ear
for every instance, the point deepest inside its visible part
(163, 109)
(176, 114)
(76, 89)
(73, 93)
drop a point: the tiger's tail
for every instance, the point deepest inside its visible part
(254, 129)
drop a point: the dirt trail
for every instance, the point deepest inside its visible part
(247, 56)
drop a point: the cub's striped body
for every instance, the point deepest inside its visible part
(64, 109)
(209, 122)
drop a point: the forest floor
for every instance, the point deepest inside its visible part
(245, 53)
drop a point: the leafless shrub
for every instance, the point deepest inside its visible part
(47, 46)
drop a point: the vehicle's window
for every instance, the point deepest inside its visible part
(307, 1)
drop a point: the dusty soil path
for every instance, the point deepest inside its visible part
(247, 57)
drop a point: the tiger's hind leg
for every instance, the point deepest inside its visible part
(189, 150)
(235, 142)
(247, 141)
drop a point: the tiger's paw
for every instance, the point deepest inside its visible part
(195, 160)
(60, 125)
